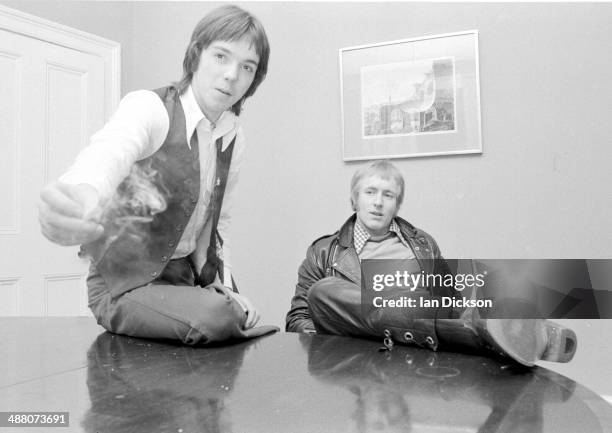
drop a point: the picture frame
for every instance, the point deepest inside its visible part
(411, 98)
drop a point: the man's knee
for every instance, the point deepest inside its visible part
(101, 308)
(322, 291)
(128, 316)
(331, 296)
(335, 307)
(332, 290)
(221, 318)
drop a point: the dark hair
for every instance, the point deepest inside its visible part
(226, 23)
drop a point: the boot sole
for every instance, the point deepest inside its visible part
(524, 340)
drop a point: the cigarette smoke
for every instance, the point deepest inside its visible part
(127, 216)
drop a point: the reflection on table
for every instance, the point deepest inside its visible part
(302, 383)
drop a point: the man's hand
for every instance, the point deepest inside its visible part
(64, 213)
(252, 313)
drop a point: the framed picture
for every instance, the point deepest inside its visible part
(409, 98)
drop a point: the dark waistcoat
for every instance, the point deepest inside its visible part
(133, 254)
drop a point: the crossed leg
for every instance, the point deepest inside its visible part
(191, 314)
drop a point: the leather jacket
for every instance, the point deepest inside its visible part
(335, 255)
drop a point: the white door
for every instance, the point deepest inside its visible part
(53, 98)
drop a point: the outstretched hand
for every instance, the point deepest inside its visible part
(64, 212)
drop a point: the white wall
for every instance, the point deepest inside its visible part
(539, 190)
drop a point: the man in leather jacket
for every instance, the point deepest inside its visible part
(328, 295)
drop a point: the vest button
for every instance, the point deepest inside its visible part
(179, 228)
(171, 244)
(164, 258)
(154, 274)
(194, 199)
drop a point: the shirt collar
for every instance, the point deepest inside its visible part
(194, 116)
(361, 235)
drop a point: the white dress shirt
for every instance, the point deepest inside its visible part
(136, 131)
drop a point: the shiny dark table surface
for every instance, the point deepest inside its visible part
(279, 383)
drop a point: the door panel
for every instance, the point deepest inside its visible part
(10, 72)
(53, 100)
(9, 296)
